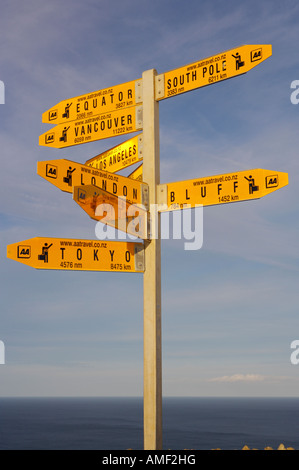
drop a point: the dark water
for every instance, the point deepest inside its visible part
(117, 423)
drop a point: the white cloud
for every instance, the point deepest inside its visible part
(251, 378)
(239, 378)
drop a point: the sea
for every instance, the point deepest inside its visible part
(117, 423)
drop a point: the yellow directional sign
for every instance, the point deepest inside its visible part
(102, 126)
(220, 189)
(137, 173)
(98, 102)
(213, 69)
(78, 255)
(112, 210)
(119, 157)
(65, 174)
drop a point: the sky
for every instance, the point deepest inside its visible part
(229, 309)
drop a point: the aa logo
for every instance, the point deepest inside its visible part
(81, 195)
(272, 181)
(256, 54)
(24, 251)
(53, 115)
(49, 138)
(51, 171)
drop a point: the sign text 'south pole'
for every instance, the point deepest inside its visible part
(152, 385)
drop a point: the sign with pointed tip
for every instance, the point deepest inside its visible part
(213, 69)
(78, 255)
(98, 102)
(119, 157)
(112, 210)
(91, 129)
(65, 174)
(220, 189)
(137, 173)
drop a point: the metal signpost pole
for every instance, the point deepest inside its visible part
(152, 386)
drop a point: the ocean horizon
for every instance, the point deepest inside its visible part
(116, 423)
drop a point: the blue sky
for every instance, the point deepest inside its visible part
(230, 309)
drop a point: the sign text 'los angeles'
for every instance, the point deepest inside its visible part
(119, 157)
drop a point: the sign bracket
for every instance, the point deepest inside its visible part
(160, 86)
(138, 91)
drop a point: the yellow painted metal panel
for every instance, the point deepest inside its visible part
(78, 255)
(65, 174)
(98, 102)
(112, 210)
(213, 69)
(102, 126)
(119, 157)
(221, 189)
(137, 174)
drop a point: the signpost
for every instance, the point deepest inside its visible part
(91, 129)
(108, 197)
(119, 157)
(65, 174)
(220, 189)
(79, 255)
(98, 102)
(112, 210)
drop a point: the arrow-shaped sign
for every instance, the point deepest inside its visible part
(112, 210)
(78, 255)
(137, 173)
(220, 189)
(65, 174)
(98, 102)
(119, 157)
(213, 69)
(102, 126)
